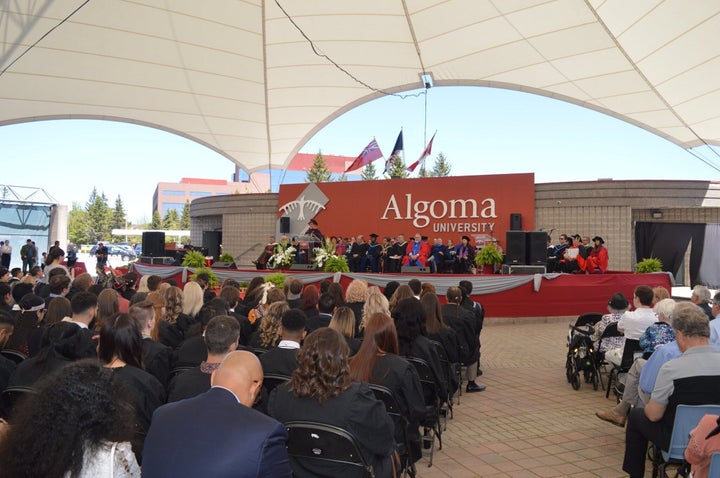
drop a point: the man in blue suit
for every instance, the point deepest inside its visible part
(217, 433)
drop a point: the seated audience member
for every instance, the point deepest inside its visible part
(691, 379)
(156, 356)
(217, 433)
(376, 303)
(282, 360)
(597, 260)
(5, 297)
(58, 286)
(120, 350)
(84, 306)
(660, 293)
(416, 252)
(337, 292)
(402, 292)
(81, 283)
(32, 310)
(704, 441)
(7, 366)
(18, 292)
(108, 305)
(427, 288)
(355, 297)
(715, 324)
(193, 351)
(231, 295)
(266, 337)
(269, 295)
(617, 306)
(378, 362)
(416, 287)
(142, 284)
(437, 330)
(77, 425)
(325, 309)
(477, 310)
(221, 337)
(633, 323)
(701, 297)
(174, 324)
(462, 321)
(309, 297)
(128, 284)
(153, 282)
(344, 322)
(634, 395)
(58, 309)
(59, 347)
(409, 317)
(390, 289)
(193, 298)
(320, 390)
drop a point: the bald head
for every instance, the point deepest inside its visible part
(241, 373)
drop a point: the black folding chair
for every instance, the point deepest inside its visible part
(392, 407)
(431, 421)
(628, 357)
(12, 397)
(178, 370)
(312, 441)
(610, 331)
(272, 380)
(258, 351)
(446, 408)
(14, 355)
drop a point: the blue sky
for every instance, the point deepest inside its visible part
(480, 130)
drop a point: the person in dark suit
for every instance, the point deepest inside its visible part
(221, 337)
(325, 307)
(217, 433)
(282, 360)
(320, 390)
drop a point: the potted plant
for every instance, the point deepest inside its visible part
(487, 257)
(194, 259)
(226, 257)
(648, 265)
(214, 281)
(336, 264)
(278, 279)
(326, 259)
(283, 257)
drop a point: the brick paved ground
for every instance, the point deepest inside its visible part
(529, 422)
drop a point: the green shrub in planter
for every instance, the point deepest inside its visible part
(194, 259)
(214, 281)
(226, 257)
(278, 279)
(488, 256)
(336, 264)
(647, 265)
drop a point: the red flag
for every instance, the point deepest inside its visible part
(424, 155)
(369, 154)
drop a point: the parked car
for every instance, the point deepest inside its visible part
(124, 253)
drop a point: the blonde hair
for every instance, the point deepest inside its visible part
(376, 303)
(271, 322)
(192, 299)
(142, 285)
(357, 291)
(343, 321)
(158, 302)
(173, 303)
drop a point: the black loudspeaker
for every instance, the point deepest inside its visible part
(223, 265)
(516, 221)
(415, 270)
(153, 244)
(284, 225)
(536, 248)
(515, 253)
(302, 267)
(212, 241)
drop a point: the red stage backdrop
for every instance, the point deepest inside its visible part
(450, 207)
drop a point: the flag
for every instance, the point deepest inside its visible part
(424, 155)
(395, 152)
(369, 154)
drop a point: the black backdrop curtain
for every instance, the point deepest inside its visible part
(669, 241)
(709, 263)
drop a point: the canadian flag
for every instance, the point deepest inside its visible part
(424, 155)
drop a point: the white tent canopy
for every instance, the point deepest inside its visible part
(239, 77)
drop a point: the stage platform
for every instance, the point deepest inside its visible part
(536, 295)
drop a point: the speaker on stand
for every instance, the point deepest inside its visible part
(516, 221)
(515, 242)
(536, 247)
(153, 244)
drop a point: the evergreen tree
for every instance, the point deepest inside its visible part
(319, 171)
(398, 169)
(442, 167)
(156, 222)
(98, 217)
(172, 220)
(369, 173)
(185, 217)
(342, 178)
(77, 225)
(118, 219)
(423, 173)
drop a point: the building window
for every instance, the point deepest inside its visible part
(200, 193)
(167, 206)
(173, 193)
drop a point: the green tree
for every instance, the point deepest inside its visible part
(423, 173)
(398, 169)
(185, 217)
(77, 225)
(319, 171)
(157, 222)
(369, 173)
(118, 218)
(98, 217)
(172, 220)
(342, 178)
(442, 167)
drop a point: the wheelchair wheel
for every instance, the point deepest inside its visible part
(595, 379)
(575, 381)
(569, 369)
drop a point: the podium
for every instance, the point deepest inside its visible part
(308, 243)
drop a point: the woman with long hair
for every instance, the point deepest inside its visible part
(309, 298)
(402, 292)
(120, 349)
(32, 311)
(158, 303)
(376, 303)
(54, 260)
(436, 328)
(462, 320)
(108, 304)
(77, 424)
(378, 362)
(355, 297)
(336, 290)
(57, 309)
(266, 337)
(174, 323)
(192, 299)
(343, 320)
(409, 317)
(321, 390)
